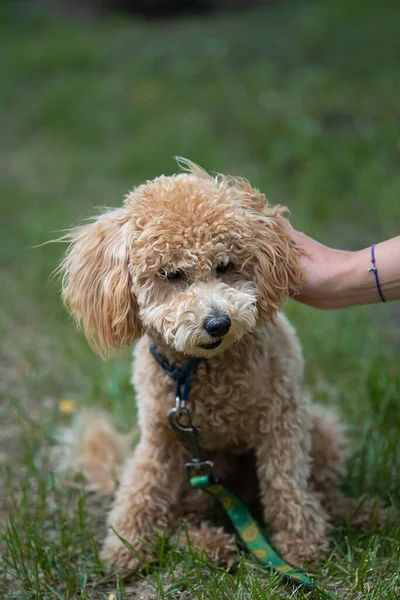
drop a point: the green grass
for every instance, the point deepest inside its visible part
(301, 98)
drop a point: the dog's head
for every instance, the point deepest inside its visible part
(198, 259)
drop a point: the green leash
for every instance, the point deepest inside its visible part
(250, 532)
(201, 477)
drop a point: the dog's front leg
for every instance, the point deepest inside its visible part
(299, 523)
(145, 500)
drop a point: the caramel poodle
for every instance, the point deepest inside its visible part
(200, 266)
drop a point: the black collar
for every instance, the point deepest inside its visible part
(180, 376)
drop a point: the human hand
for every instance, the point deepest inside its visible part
(325, 272)
(337, 278)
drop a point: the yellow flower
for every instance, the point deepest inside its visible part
(66, 406)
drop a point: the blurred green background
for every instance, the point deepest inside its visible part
(302, 98)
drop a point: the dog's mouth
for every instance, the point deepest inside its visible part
(211, 345)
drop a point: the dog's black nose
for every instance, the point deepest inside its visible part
(218, 325)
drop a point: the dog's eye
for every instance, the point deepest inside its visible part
(222, 267)
(173, 275)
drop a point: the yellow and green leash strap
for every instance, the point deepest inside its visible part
(250, 532)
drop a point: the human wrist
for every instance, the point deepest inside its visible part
(354, 284)
(340, 286)
(337, 278)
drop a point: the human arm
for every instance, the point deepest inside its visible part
(338, 279)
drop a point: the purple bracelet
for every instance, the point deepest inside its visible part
(375, 272)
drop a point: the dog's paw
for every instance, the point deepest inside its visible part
(362, 513)
(301, 551)
(305, 541)
(214, 541)
(122, 558)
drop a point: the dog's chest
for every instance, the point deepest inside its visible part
(233, 397)
(228, 406)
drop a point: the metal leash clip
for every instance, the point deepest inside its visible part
(180, 420)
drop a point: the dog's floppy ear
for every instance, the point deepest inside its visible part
(96, 281)
(277, 270)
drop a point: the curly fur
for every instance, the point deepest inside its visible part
(247, 395)
(94, 447)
